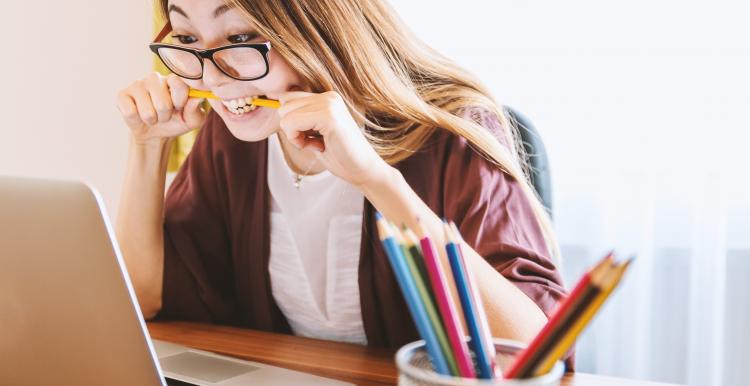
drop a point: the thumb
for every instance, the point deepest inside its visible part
(193, 114)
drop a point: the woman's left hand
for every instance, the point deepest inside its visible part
(341, 146)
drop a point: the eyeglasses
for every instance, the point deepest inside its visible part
(244, 61)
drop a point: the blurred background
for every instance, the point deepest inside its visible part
(643, 107)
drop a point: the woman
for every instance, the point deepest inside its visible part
(269, 224)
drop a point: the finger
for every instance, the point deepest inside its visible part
(296, 140)
(294, 105)
(178, 89)
(126, 105)
(307, 108)
(293, 137)
(193, 115)
(293, 131)
(145, 106)
(298, 123)
(160, 96)
(288, 96)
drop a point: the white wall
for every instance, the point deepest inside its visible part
(63, 63)
(596, 72)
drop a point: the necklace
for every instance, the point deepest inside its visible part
(298, 177)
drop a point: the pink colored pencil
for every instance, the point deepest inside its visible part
(447, 308)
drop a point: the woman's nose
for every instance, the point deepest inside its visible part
(212, 76)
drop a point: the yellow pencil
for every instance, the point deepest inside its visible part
(611, 279)
(201, 94)
(274, 104)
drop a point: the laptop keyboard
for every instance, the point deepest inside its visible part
(175, 382)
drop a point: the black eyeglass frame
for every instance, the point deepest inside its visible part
(263, 48)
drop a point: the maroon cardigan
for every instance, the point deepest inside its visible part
(217, 233)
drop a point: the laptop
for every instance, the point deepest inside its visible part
(68, 313)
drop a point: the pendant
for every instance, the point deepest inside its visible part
(297, 180)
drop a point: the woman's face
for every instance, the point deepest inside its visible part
(203, 24)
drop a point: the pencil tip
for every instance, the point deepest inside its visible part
(383, 231)
(447, 232)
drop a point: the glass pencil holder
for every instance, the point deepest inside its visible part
(414, 368)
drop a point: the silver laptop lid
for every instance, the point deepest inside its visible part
(68, 314)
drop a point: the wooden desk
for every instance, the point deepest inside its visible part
(352, 363)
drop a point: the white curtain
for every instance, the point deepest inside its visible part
(643, 106)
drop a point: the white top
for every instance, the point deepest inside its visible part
(315, 243)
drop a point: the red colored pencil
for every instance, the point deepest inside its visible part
(524, 359)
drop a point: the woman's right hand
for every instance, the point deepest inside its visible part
(157, 107)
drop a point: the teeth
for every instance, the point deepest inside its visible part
(240, 106)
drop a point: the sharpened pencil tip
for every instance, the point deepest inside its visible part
(448, 234)
(419, 230)
(383, 230)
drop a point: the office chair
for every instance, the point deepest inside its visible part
(536, 157)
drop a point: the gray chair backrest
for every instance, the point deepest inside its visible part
(536, 157)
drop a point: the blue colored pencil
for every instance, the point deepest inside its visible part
(411, 295)
(485, 364)
(484, 325)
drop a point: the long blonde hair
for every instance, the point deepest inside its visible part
(404, 89)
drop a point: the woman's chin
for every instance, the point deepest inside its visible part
(250, 134)
(253, 126)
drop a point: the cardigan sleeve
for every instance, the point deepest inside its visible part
(495, 217)
(197, 280)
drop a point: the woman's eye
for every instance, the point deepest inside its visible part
(185, 39)
(242, 38)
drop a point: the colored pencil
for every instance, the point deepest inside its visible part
(484, 326)
(411, 296)
(588, 295)
(608, 284)
(412, 254)
(415, 249)
(469, 305)
(451, 320)
(525, 361)
(423, 280)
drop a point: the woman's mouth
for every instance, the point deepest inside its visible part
(240, 106)
(241, 109)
